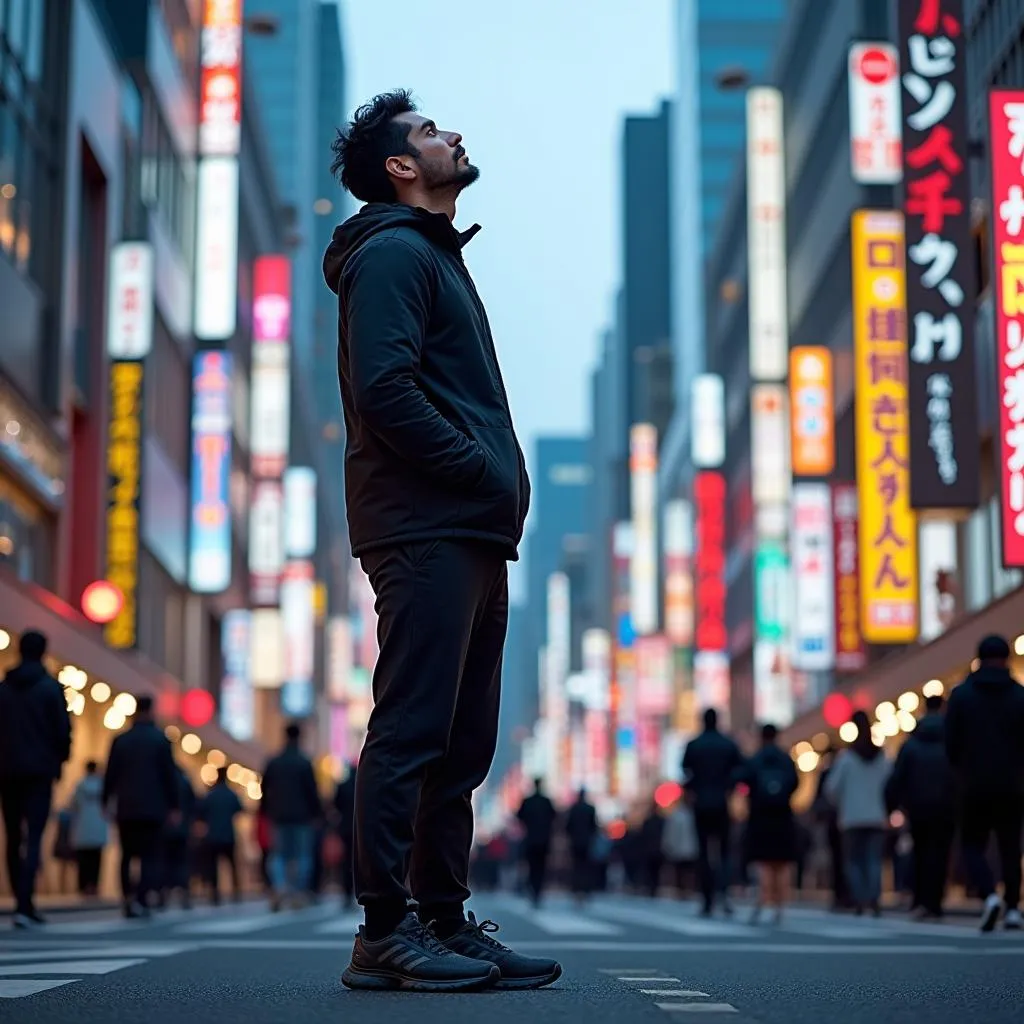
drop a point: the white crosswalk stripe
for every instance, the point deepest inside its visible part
(247, 923)
(678, 923)
(346, 925)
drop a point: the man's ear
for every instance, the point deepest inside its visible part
(400, 167)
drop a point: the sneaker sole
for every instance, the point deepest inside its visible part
(384, 981)
(508, 984)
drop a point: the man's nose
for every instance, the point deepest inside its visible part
(453, 138)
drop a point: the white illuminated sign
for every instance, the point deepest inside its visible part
(707, 406)
(237, 702)
(299, 512)
(298, 621)
(130, 301)
(813, 618)
(217, 249)
(876, 120)
(266, 542)
(269, 407)
(769, 429)
(643, 566)
(340, 657)
(766, 236)
(267, 646)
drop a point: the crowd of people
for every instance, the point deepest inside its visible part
(960, 773)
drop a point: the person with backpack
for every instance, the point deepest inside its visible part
(771, 778)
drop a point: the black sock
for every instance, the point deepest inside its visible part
(382, 920)
(444, 919)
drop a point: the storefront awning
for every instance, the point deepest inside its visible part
(912, 667)
(79, 642)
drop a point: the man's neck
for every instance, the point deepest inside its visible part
(433, 202)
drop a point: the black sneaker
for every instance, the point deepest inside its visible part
(517, 971)
(412, 958)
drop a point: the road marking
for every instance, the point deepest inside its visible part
(697, 1007)
(679, 993)
(256, 922)
(560, 922)
(647, 977)
(69, 967)
(347, 924)
(18, 989)
(98, 926)
(683, 925)
(626, 970)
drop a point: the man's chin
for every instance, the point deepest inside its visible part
(467, 173)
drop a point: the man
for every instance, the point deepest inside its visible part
(292, 804)
(218, 811)
(35, 741)
(581, 828)
(437, 495)
(537, 816)
(710, 764)
(142, 785)
(344, 810)
(985, 742)
(923, 785)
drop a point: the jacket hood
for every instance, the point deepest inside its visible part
(27, 674)
(930, 729)
(989, 677)
(376, 217)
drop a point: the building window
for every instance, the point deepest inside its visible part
(25, 536)
(168, 390)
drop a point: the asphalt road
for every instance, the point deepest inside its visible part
(626, 959)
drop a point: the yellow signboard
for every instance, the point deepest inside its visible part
(888, 526)
(124, 476)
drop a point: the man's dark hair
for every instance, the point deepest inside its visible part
(769, 733)
(373, 135)
(934, 702)
(711, 719)
(144, 705)
(293, 730)
(994, 648)
(32, 646)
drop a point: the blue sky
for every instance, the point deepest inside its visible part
(538, 88)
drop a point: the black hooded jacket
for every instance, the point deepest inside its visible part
(922, 782)
(430, 448)
(35, 728)
(985, 733)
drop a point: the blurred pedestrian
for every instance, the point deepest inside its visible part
(35, 742)
(856, 785)
(581, 828)
(923, 786)
(651, 835)
(710, 763)
(218, 811)
(771, 840)
(292, 804)
(985, 741)
(825, 815)
(679, 845)
(89, 829)
(345, 820)
(177, 846)
(142, 785)
(537, 815)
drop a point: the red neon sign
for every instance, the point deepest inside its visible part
(709, 562)
(220, 85)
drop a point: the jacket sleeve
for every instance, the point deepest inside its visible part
(954, 730)
(386, 290)
(62, 725)
(169, 777)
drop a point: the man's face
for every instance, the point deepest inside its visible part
(442, 161)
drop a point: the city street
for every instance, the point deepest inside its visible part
(626, 959)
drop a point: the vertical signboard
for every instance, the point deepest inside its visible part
(771, 591)
(769, 450)
(1006, 152)
(851, 655)
(643, 574)
(707, 433)
(709, 561)
(124, 490)
(340, 657)
(811, 411)
(299, 512)
(678, 544)
(940, 286)
(653, 675)
(209, 560)
(130, 301)
(766, 236)
(876, 131)
(811, 544)
(888, 526)
(237, 698)
(712, 683)
(298, 623)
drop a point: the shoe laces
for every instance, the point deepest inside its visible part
(425, 936)
(483, 931)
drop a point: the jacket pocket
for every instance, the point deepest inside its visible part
(494, 505)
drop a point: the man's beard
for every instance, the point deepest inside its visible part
(457, 176)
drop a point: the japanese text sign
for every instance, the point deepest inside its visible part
(220, 86)
(811, 411)
(709, 561)
(811, 539)
(130, 300)
(941, 390)
(875, 132)
(888, 526)
(124, 479)
(1006, 113)
(850, 653)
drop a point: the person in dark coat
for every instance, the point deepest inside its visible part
(176, 845)
(710, 763)
(652, 832)
(218, 811)
(344, 811)
(35, 743)
(537, 816)
(985, 742)
(292, 803)
(142, 785)
(771, 839)
(581, 828)
(923, 786)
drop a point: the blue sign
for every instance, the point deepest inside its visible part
(209, 553)
(627, 634)
(297, 698)
(625, 738)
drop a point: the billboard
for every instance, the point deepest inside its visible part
(299, 512)
(270, 388)
(709, 561)
(769, 448)
(888, 525)
(209, 542)
(766, 236)
(216, 249)
(940, 285)
(771, 591)
(712, 684)
(851, 655)
(340, 657)
(299, 626)
(876, 130)
(678, 569)
(643, 568)
(130, 301)
(124, 491)
(773, 689)
(220, 81)
(1006, 129)
(812, 411)
(267, 647)
(266, 541)
(237, 698)
(707, 434)
(813, 617)
(653, 675)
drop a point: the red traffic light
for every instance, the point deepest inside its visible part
(102, 602)
(197, 708)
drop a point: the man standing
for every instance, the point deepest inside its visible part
(537, 816)
(437, 495)
(35, 741)
(581, 828)
(291, 802)
(142, 784)
(710, 764)
(923, 785)
(218, 811)
(985, 741)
